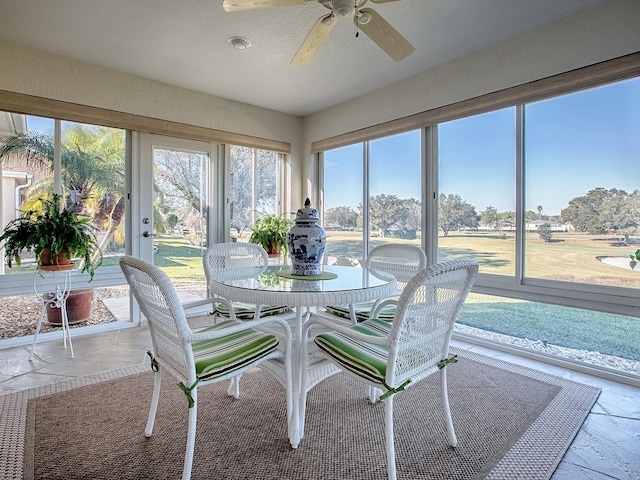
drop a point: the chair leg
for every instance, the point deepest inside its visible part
(373, 394)
(154, 404)
(388, 423)
(191, 436)
(234, 387)
(453, 441)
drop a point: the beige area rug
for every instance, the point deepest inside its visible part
(512, 422)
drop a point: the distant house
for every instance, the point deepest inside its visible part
(533, 225)
(13, 182)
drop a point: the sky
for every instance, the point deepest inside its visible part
(40, 125)
(573, 144)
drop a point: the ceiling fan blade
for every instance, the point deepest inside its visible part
(384, 35)
(314, 40)
(236, 5)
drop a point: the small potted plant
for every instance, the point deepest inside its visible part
(270, 231)
(55, 235)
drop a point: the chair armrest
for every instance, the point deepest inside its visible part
(197, 303)
(379, 305)
(210, 301)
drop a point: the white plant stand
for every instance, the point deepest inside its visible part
(53, 295)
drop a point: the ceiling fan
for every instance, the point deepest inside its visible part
(365, 19)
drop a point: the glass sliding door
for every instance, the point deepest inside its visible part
(477, 185)
(395, 209)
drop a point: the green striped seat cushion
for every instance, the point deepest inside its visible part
(246, 311)
(362, 311)
(220, 356)
(364, 359)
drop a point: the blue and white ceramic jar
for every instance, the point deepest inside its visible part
(306, 241)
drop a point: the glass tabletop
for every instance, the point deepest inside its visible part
(268, 280)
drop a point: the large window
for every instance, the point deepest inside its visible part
(90, 177)
(544, 195)
(372, 196)
(582, 153)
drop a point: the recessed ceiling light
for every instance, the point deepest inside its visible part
(239, 43)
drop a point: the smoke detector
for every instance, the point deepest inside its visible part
(239, 43)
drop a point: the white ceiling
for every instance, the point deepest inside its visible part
(184, 43)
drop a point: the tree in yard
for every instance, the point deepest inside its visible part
(529, 215)
(454, 214)
(601, 211)
(412, 213)
(539, 209)
(343, 217)
(180, 182)
(490, 217)
(544, 232)
(385, 211)
(253, 189)
(622, 213)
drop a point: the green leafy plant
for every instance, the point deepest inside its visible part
(271, 231)
(61, 230)
(635, 258)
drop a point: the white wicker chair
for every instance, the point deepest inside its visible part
(401, 261)
(397, 355)
(198, 358)
(246, 259)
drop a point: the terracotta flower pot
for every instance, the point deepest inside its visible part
(78, 308)
(57, 262)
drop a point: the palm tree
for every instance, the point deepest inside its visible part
(92, 171)
(539, 208)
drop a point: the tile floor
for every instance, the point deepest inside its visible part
(607, 446)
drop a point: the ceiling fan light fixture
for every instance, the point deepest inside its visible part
(239, 43)
(364, 18)
(343, 8)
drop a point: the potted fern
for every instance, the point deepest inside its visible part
(55, 235)
(270, 231)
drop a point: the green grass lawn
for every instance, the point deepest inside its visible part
(563, 326)
(178, 258)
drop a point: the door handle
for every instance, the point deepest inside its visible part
(147, 234)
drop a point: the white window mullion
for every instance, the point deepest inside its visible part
(366, 227)
(430, 193)
(520, 195)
